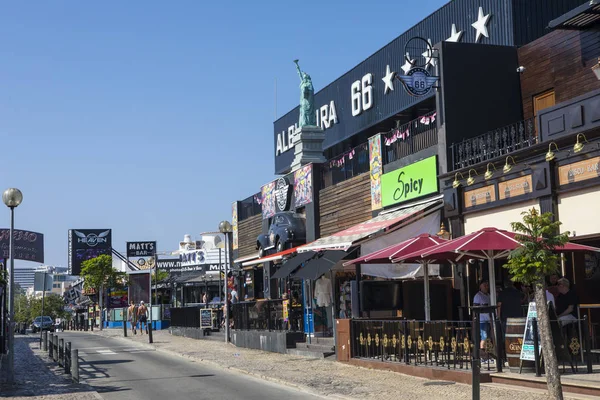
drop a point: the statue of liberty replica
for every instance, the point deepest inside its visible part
(309, 137)
(307, 99)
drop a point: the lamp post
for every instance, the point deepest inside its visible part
(226, 228)
(12, 198)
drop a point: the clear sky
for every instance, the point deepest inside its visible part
(152, 117)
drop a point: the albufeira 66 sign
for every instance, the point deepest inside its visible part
(410, 182)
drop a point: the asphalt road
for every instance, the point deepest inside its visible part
(119, 370)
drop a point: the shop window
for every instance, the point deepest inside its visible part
(542, 101)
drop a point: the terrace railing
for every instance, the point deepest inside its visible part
(496, 143)
(266, 315)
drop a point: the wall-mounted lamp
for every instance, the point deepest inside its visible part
(579, 145)
(470, 179)
(489, 173)
(443, 233)
(596, 69)
(507, 167)
(456, 182)
(550, 154)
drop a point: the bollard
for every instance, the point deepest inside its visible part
(92, 326)
(51, 344)
(125, 328)
(55, 348)
(149, 332)
(45, 340)
(67, 362)
(75, 365)
(61, 352)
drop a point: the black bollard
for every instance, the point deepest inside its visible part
(475, 392)
(67, 362)
(45, 341)
(124, 328)
(61, 352)
(50, 344)
(149, 332)
(55, 348)
(75, 365)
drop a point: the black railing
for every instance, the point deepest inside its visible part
(249, 207)
(346, 166)
(496, 143)
(266, 315)
(436, 343)
(410, 138)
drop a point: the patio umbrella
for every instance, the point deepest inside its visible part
(417, 244)
(488, 244)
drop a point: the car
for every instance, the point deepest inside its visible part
(44, 323)
(287, 228)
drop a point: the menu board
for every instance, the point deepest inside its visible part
(206, 318)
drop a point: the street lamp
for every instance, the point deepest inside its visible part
(12, 198)
(225, 228)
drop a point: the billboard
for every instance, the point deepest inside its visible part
(29, 246)
(85, 244)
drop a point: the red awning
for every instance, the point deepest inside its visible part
(384, 256)
(271, 257)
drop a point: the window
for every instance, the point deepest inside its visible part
(542, 101)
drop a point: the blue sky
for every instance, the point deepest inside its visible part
(152, 117)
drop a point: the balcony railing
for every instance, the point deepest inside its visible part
(267, 315)
(496, 143)
(410, 138)
(249, 207)
(346, 166)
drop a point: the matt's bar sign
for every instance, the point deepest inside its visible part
(141, 249)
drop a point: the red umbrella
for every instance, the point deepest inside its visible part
(384, 256)
(487, 243)
(416, 244)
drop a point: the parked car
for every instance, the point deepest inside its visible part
(287, 229)
(44, 323)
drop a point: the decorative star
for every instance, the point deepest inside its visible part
(481, 25)
(388, 80)
(408, 64)
(454, 36)
(430, 61)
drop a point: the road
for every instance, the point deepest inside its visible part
(119, 370)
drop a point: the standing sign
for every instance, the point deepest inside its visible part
(411, 182)
(85, 244)
(527, 352)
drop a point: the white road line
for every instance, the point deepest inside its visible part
(105, 352)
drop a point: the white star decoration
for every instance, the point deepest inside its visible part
(427, 54)
(481, 25)
(407, 65)
(388, 80)
(454, 36)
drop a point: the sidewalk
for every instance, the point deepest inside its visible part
(325, 378)
(39, 377)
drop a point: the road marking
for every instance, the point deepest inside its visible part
(105, 352)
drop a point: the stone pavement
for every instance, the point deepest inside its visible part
(326, 378)
(39, 377)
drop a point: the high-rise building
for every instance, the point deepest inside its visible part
(24, 276)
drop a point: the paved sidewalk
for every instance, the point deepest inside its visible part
(39, 377)
(325, 378)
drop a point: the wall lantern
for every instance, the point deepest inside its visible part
(596, 69)
(470, 179)
(443, 233)
(550, 154)
(489, 173)
(507, 167)
(579, 145)
(456, 182)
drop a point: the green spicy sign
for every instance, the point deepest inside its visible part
(413, 181)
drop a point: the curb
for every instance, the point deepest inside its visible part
(301, 388)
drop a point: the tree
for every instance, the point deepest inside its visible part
(530, 264)
(98, 273)
(27, 308)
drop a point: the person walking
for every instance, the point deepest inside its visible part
(482, 298)
(132, 316)
(143, 317)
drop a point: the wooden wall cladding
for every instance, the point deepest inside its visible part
(346, 204)
(248, 231)
(561, 60)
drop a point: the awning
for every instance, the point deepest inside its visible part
(386, 221)
(292, 264)
(242, 260)
(579, 18)
(272, 257)
(320, 265)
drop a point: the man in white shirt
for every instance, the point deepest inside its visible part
(482, 298)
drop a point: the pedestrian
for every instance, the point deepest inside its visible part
(234, 296)
(143, 317)
(132, 316)
(482, 298)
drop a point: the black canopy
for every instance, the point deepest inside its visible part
(292, 264)
(320, 265)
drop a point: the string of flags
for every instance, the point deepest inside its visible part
(397, 134)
